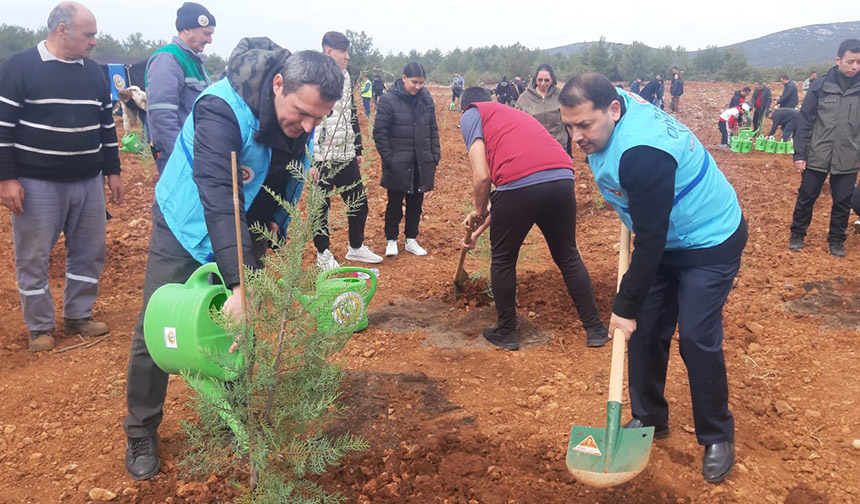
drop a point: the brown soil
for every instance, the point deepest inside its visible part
(452, 420)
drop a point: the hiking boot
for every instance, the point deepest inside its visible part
(413, 247)
(596, 336)
(660, 431)
(41, 341)
(509, 340)
(326, 260)
(391, 248)
(363, 254)
(84, 326)
(141, 457)
(795, 243)
(837, 250)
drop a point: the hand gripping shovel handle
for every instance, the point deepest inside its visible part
(463, 252)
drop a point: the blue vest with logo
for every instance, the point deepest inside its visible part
(705, 211)
(177, 193)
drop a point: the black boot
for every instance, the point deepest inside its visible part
(509, 340)
(141, 457)
(596, 336)
(660, 431)
(718, 461)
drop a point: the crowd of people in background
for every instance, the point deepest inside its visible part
(58, 146)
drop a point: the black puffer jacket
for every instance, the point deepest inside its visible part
(407, 136)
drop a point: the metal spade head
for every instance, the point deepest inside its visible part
(608, 456)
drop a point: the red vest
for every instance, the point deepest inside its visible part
(517, 145)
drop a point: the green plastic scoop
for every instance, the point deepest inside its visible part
(608, 456)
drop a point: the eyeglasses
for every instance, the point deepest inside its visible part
(543, 80)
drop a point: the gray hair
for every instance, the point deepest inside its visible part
(62, 14)
(316, 69)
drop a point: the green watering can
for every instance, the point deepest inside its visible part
(745, 133)
(131, 143)
(789, 147)
(340, 304)
(182, 337)
(760, 143)
(746, 145)
(735, 144)
(770, 148)
(780, 147)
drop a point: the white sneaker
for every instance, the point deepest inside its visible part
(413, 247)
(362, 254)
(326, 260)
(391, 248)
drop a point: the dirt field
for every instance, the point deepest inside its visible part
(451, 419)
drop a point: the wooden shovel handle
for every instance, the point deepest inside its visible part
(238, 220)
(464, 250)
(619, 340)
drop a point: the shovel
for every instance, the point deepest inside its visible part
(460, 276)
(608, 456)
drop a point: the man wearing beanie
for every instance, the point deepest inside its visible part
(175, 76)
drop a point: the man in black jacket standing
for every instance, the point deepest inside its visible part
(789, 97)
(827, 142)
(676, 89)
(265, 111)
(761, 103)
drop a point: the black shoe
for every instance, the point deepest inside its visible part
(141, 457)
(837, 250)
(596, 336)
(509, 340)
(795, 243)
(660, 431)
(718, 461)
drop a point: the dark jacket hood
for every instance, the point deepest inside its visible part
(251, 66)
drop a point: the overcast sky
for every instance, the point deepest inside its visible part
(401, 26)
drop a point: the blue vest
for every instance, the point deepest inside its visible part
(705, 211)
(177, 194)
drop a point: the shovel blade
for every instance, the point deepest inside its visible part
(604, 457)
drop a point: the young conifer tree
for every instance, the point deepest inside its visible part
(269, 423)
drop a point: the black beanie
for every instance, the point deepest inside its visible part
(193, 15)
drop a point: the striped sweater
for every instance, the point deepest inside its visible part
(56, 120)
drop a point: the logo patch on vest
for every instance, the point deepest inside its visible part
(247, 174)
(203, 20)
(118, 81)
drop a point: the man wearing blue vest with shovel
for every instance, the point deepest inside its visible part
(265, 111)
(690, 234)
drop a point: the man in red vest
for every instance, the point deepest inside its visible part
(533, 176)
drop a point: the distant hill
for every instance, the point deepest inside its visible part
(797, 47)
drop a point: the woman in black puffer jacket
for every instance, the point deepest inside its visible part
(407, 138)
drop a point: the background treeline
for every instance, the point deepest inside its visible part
(481, 65)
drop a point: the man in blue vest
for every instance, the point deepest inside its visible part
(690, 234)
(265, 111)
(175, 76)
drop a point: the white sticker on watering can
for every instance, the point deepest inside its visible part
(170, 337)
(348, 309)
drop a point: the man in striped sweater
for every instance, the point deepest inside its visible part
(57, 144)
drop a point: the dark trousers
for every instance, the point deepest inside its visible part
(841, 188)
(724, 133)
(366, 101)
(394, 213)
(376, 98)
(674, 104)
(692, 298)
(349, 176)
(146, 387)
(552, 206)
(758, 116)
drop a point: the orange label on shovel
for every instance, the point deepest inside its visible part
(587, 446)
